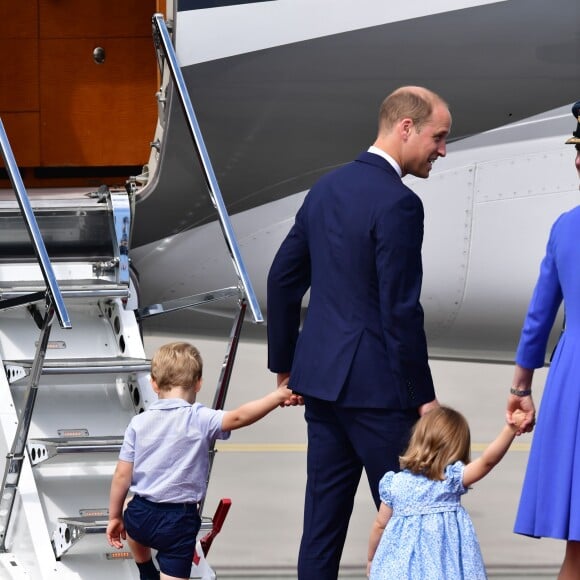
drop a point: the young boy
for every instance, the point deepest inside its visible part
(164, 462)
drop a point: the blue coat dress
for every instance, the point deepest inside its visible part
(550, 500)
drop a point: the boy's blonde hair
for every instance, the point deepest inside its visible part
(440, 437)
(176, 364)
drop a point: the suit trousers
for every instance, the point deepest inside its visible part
(341, 441)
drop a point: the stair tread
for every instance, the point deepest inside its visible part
(79, 441)
(89, 361)
(98, 522)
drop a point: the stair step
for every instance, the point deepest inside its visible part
(73, 288)
(17, 370)
(72, 224)
(12, 567)
(43, 449)
(73, 529)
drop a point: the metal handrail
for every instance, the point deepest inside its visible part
(33, 230)
(162, 39)
(224, 379)
(54, 305)
(186, 302)
(15, 458)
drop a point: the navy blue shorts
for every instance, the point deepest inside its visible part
(169, 528)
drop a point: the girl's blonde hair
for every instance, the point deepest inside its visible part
(440, 437)
(176, 364)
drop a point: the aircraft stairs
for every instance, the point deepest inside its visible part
(68, 390)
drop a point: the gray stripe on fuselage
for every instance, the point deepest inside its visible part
(274, 120)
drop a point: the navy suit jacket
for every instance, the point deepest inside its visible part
(356, 244)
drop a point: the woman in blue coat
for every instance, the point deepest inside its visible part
(550, 499)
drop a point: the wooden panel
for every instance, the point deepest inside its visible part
(19, 19)
(97, 114)
(22, 132)
(19, 97)
(100, 18)
(161, 7)
(19, 74)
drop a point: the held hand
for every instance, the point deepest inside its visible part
(284, 393)
(116, 531)
(518, 417)
(426, 407)
(292, 400)
(521, 412)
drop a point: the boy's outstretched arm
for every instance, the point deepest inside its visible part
(493, 453)
(119, 488)
(251, 412)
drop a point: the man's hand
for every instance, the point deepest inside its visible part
(426, 407)
(282, 380)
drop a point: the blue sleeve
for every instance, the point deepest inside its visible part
(544, 305)
(211, 419)
(385, 488)
(288, 281)
(454, 477)
(127, 452)
(399, 238)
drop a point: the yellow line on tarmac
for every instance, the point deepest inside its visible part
(301, 447)
(478, 447)
(261, 447)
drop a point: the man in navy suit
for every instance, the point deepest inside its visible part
(359, 363)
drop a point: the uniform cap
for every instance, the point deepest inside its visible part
(575, 139)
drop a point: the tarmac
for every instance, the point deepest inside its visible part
(262, 469)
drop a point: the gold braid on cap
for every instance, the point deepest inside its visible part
(575, 139)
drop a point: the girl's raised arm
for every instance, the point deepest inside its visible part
(493, 453)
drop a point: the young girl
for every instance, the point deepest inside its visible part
(422, 531)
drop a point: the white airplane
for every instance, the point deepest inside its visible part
(488, 205)
(282, 90)
(293, 92)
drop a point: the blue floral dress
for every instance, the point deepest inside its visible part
(430, 536)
